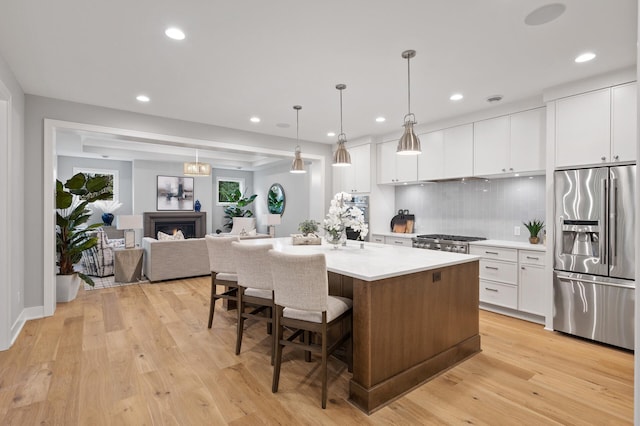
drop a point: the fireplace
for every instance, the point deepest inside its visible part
(192, 224)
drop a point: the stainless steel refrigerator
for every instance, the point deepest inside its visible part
(594, 254)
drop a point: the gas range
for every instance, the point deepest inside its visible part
(443, 242)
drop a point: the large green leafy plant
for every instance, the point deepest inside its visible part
(238, 208)
(73, 236)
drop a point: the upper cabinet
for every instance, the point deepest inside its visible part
(509, 144)
(430, 162)
(357, 177)
(458, 152)
(394, 168)
(596, 127)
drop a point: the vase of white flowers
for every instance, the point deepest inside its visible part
(107, 207)
(340, 217)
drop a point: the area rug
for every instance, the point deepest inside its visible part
(108, 282)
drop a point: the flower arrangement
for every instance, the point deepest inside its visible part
(107, 206)
(341, 216)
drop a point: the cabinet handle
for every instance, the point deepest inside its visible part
(615, 157)
(504, 170)
(491, 267)
(603, 158)
(398, 242)
(510, 169)
(491, 289)
(534, 258)
(523, 268)
(492, 252)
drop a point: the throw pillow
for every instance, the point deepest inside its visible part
(166, 237)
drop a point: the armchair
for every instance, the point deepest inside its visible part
(98, 260)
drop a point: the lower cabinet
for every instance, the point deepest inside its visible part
(392, 240)
(511, 278)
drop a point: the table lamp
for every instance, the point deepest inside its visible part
(129, 223)
(272, 221)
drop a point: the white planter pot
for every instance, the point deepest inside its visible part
(67, 287)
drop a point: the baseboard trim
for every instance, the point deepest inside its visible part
(33, 312)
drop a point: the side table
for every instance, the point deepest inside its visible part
(127, 264)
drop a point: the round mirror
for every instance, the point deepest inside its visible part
(276, 199)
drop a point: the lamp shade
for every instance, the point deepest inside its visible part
(196, 168)
(341, 157)
(409, 144)
(129, 221)
(274, 219)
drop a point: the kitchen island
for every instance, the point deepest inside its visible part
(415, 313)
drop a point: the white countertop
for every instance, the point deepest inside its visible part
(509, 244)
(374, 261)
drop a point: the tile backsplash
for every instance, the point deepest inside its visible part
(479, 208)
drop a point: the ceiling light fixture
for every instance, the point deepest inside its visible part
(341, 157)
(196, 168)
(585, 57)
(331, 134)
(298, 165)
(409, 144)
(380, 120)
(456, 97)
(143, 98)
(255, 119)
(174, 33)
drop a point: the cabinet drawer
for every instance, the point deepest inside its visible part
(531, 257)
(506, 272)
(500, 253)
(405, 242)
(499, 294)
(377, 239)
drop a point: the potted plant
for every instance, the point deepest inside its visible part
(308, 227)
(73, 236)
(237, 209)
(534, 227)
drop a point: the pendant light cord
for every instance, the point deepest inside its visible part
(341, 132)
(408, 85)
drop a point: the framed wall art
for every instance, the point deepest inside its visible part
(175, 193)
(228, 190)
(111, 175)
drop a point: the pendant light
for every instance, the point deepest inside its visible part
(298, 165)
(409, 144)
(341, 157)
(196, 168)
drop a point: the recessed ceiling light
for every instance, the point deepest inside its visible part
(456, 96)
(143, 98)
(255, 119)
(174, 33)
(380, 120)
(545, 14)
(585, 57)
(331, 134)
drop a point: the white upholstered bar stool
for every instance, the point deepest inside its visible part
(223, 270)
(255, 287)
(303, 304)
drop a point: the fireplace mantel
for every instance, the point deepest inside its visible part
(151, 218)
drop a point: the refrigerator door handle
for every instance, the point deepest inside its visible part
(613, 221)
(602, 241)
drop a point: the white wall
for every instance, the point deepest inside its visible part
(14, 204)
(297, 198)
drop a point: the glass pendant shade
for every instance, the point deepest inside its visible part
(196, 168)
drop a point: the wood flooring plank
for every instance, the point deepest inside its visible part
(142, 355)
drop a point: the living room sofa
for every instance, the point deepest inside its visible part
(172, 259)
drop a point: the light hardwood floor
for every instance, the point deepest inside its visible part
(142, 354)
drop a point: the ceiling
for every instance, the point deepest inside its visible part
(256, 58)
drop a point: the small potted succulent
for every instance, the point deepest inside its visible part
(534, 227)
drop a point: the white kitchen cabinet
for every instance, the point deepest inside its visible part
(399, 241)
(394, 168)
(357, 177)
(531, 293)
(377, 238)
(458, 152)
(491, 146)
(624, 120)
(528, 135)
(597, 127)
(509, 144)
(430, 162)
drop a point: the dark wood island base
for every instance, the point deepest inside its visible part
(408, 329)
